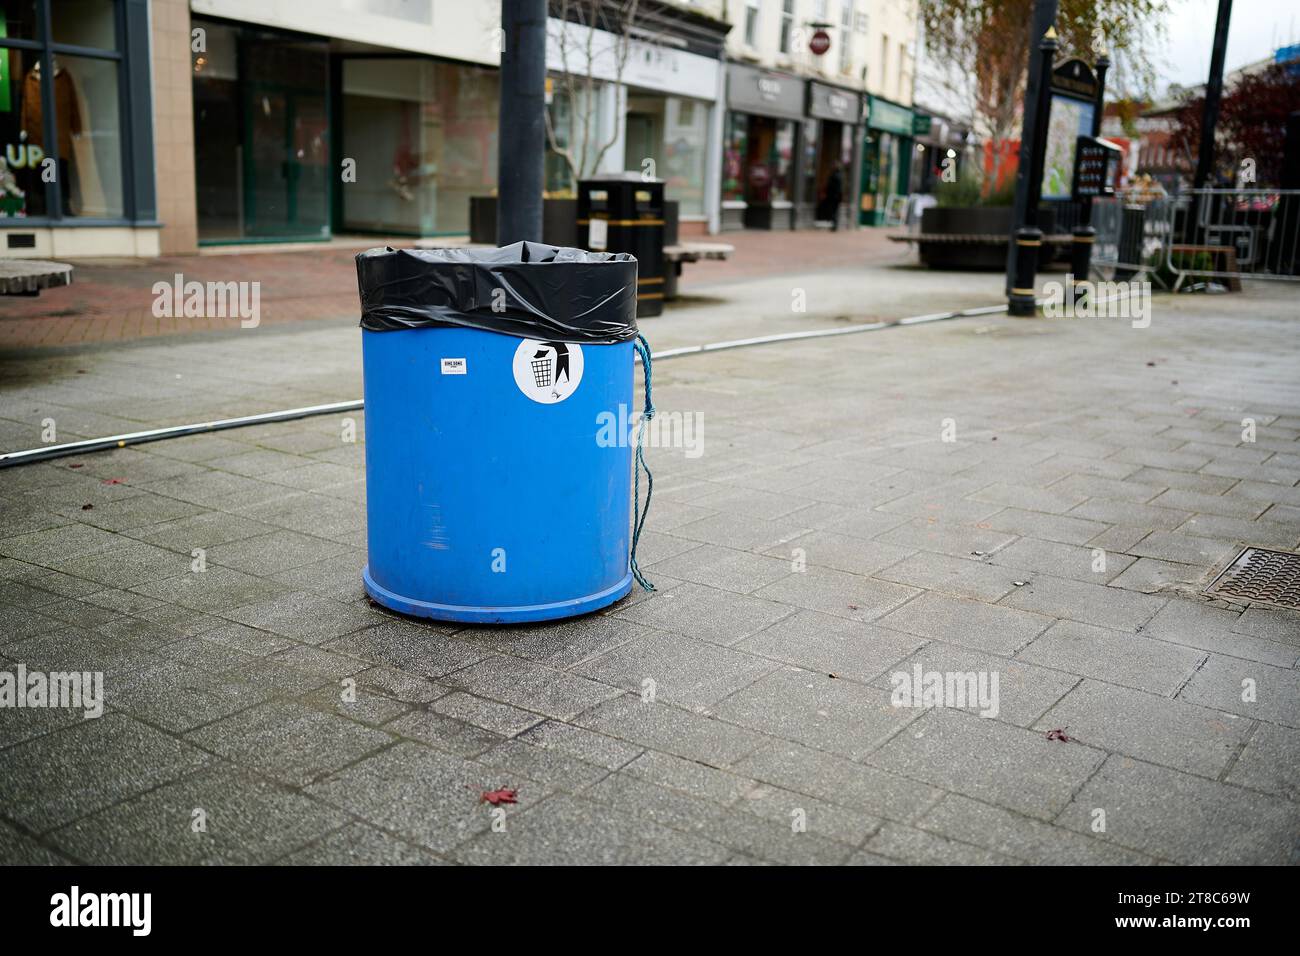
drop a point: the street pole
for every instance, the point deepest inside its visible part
(1027, 240)
(1209, 120)
(1213, 94)
(1085, 236)
(521, 137)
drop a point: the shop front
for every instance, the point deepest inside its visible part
(431, 127)
(886, 161)
(651, 108)
(297, 137)
(76, 133)
(261, 134)
(832, 153)
(764, 129)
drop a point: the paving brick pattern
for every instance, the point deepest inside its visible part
(825, 539)
(112, 300)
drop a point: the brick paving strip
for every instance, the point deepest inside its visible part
(113, 300)
(225, 689)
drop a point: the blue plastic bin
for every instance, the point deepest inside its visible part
(493, 491)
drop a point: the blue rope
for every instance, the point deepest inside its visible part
(647, 413)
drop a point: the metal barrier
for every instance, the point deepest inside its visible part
(1235, 234)
(1229, 234)
(1132, 238)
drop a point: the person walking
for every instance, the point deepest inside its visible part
(834, 195)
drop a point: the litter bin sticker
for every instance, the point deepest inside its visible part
(548, 372)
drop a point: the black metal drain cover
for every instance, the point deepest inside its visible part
(1262, 576)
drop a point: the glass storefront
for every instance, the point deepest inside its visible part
(769, 160)
(576, 128)
(829, 170)
(766, 139)
(261, 134)
(424, 138)
(61, 119)
(887, 159)
(808, 163)
(672, 132)
(735, 149)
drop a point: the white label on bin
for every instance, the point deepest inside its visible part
(453, 366)
(548, 372)
(597, 234)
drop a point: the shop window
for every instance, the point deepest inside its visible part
(61, 119)
(19, 20)
(261, 135)
(424, 137)
(670, 131)
(782, 161)
(571, 123)
(90, 23)
(88, 124)
(22, 191)
(813, 176)
(734, 152)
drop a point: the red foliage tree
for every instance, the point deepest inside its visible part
(1252, 124)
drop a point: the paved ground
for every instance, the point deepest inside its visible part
(99, 389)
(112, 300)
(826, 538)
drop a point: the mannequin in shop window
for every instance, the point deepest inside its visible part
(77, 174)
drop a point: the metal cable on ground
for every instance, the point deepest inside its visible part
(10, 459)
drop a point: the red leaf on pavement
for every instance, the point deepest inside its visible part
(1058, 734)
(78, 465)
(498, 797)
(113, 481)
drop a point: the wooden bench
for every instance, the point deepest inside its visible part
(1229, 255)
(30, 276)
(674, 256)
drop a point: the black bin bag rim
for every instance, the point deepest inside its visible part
(527, 289)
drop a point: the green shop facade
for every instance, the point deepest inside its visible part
(886, 159)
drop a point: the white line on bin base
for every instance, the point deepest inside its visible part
(179, 431)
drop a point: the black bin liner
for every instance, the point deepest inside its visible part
(545, 292)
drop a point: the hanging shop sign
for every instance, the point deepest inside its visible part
(890, 117)
(832, 103)
(765, 92)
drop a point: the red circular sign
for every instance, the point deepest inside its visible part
(820, 42)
